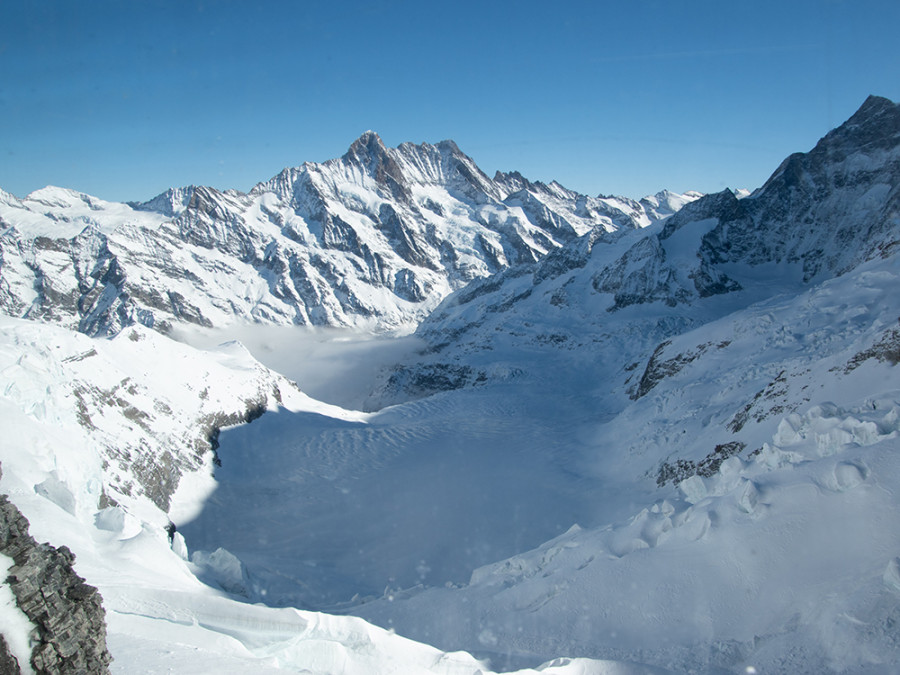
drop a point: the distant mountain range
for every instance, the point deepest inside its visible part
(375, 239)
(706, 385)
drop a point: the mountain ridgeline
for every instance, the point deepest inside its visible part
(820, 215)
(706, 385)
(376, 238)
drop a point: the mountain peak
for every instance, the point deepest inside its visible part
(449, 146)
(59, 197)
(169, 203)
(875, 125)
(369, 152)
(874, 105)
(512, 181)
(10, 199)
(368, 144)
(880, 113)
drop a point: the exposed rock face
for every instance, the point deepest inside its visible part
(8, 662)
(821, 214)
(70, 634)
(378, 236)
(659, 368)
(826, 210)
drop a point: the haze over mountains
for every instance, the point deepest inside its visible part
(655, 436)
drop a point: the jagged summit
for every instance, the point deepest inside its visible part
(379, 236)
(368, 137)
(874, 127)
(513, 181)
(369, 144)
(169, 203)
(880, 111)
(369, 152)
(448, 145)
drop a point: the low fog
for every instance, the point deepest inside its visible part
(334, 365)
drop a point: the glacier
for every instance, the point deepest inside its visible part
(624, 437)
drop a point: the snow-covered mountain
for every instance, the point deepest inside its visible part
(820, 215)
(734, 367)
(376, 238)
(712, 399)
(659, 436)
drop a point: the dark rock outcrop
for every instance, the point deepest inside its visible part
(8, 663)
(70, 625)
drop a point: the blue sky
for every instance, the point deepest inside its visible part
(125, 99)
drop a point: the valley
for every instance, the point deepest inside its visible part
(409, 418)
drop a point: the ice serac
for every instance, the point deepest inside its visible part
(376, 238)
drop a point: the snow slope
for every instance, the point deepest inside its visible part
(771, 539)
(82, 419)
(719, 508)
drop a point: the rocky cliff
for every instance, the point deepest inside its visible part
(69, 634)
(375, 238)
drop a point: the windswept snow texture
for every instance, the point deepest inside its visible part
(374, 240)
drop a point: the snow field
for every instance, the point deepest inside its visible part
(798, 542)
(160, 617)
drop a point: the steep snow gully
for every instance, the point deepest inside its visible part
(626, 437)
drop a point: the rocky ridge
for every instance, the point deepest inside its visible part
(376, 238)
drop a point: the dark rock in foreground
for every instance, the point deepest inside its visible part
(70, 625)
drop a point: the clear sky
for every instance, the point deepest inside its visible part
(125, 99)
